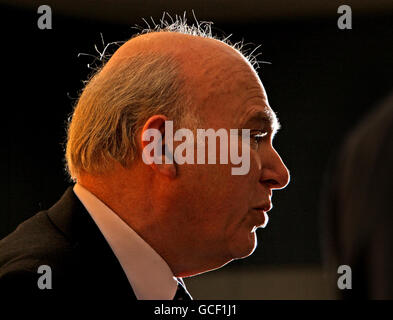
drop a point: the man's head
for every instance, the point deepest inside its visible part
(197, 217)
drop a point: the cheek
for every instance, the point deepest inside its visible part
(219, 216)
(228, 197)
(255, 161)
(212, 192)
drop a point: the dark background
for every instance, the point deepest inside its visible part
(321, 81)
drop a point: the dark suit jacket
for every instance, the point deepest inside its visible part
(66, 238)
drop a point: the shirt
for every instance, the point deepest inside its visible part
(147, 272)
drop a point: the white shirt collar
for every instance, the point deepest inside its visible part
(148, 273)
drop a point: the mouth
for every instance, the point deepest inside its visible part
(261, 212)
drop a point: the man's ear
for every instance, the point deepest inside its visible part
(157, 145)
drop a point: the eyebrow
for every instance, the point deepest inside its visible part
(264, 118)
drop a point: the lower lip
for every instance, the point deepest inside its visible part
(263, 218)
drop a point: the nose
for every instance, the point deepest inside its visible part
(274, 172)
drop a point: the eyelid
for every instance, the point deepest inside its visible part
(259, 132)
(261, 135)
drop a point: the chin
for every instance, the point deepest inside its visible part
(242, 248)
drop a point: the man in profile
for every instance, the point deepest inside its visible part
(131, 229)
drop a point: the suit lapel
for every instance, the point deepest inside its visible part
(96, 266)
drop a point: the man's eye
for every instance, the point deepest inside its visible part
(257, 136)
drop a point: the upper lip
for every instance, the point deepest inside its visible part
(265, 206)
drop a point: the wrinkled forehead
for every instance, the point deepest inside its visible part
(231, 91)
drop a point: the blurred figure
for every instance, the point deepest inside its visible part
(357, 205)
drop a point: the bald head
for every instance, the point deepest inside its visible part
(167, 73)
(204, 62)
(193, 52)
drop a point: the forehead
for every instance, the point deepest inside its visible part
(224, 86)
(238, 100)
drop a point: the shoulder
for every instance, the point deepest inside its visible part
(35, 242)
